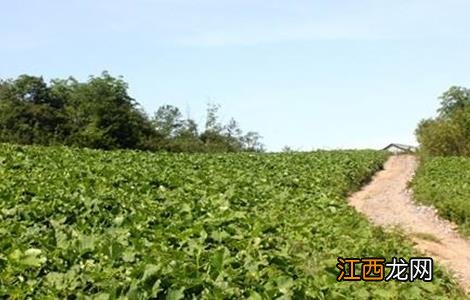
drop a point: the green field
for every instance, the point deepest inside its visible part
(77, 223)
(445, 183)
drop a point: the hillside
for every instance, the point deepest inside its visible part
(444, 182)
(137, 224)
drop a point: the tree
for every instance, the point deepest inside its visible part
(187, 138)
(212, 118)
(176, 134)
(212, 136)
(449, 132)
(29, 112)
(103, 115)
(287, 149)
(233, 135)
(229, 137)
(252, 142)
(454, 99)
(168, 121)
(100, 113)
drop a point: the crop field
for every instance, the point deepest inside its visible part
(445, 183)
(135, 225)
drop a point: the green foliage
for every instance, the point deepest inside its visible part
(445, 183)
(95, 114)
(77, 223)
(28, 112)
(453, 100)
(100, 114)
(443, 178)
(176, 134)
(168, 121)
(449, 133)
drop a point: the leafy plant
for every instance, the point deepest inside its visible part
(136, 225)
(444, 182)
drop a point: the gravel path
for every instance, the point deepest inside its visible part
(387, 202)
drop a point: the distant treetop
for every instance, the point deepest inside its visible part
(99, 113)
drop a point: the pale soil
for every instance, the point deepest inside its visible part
(387, 202)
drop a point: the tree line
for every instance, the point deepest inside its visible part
(100, 114)
(448, 134)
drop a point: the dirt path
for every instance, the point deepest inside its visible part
(387, 202)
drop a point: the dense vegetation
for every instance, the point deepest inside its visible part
(443, 178)
(445, 183)
(100, 114)
(448, 133)
(141, 224)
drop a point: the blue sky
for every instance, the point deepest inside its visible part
(308, 74)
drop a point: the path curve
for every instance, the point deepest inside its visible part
(387, 201)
